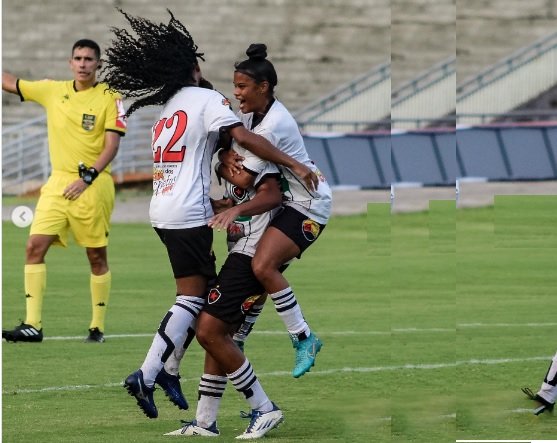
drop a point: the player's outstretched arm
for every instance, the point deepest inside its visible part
(268, 196)
(9, 82)
(261, 147)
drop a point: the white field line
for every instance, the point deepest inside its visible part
(348, 333)
(506, 325)
(313, 373)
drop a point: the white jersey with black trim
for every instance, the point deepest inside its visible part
(245, 232)
(183, 142)
(279, 127)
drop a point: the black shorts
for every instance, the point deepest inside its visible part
(298, 227)
(237, 290)
(190, 251)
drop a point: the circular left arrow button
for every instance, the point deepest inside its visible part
(22, 216)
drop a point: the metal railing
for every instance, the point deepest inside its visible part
(424, 81)
(506, 66)
(541, 115)
(343, 94)
(26, 163)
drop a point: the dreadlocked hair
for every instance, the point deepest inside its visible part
(153, 65)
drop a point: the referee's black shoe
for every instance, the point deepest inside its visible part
(95, 336)
(544, 405)
(23, 332)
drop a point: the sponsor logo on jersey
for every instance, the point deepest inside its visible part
(88, 122)
(214, 295)
(158, 173)
(310, 229)
(248, 303)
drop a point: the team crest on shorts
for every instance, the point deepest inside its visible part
(88, 122)
(248, 303)
(310, 229)
(213, 296)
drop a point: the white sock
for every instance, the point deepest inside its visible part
(172, 365)
(289, 310)
(210, 391)
(247, 384)
(171, 335)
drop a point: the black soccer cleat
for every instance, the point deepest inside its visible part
(544, 405)
(137, 388)
(23, 332)
(172, 388)
(95, 336)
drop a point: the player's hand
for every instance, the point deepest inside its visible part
(221, 205)
(224, 219)
(231, 160)
(75, 189)
(307, 175)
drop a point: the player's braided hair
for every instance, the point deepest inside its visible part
(153, 65)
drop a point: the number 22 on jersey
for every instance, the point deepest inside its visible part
(168, 136)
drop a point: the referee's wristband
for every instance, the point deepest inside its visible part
(90, 175)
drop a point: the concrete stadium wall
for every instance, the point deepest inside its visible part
(489, 30)
(316, 45)
(479, 32)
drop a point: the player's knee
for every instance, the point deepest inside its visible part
(262, 268)
(97, 260)
(205, 337)
(35, 251)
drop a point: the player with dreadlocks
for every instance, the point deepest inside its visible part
(160, 67)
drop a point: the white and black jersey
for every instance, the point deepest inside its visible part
(244, 234)
(279, 127)
(184, 140)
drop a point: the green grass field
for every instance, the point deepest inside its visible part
(431, 323)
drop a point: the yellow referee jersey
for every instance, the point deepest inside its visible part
(77, 120)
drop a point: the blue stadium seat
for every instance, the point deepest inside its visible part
(355, 163)
(414, 157)
(481, 154)
(527, 153)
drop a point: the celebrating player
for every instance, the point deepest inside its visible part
(85, 122)
(306, 211)
(160, 66)
(254, 190)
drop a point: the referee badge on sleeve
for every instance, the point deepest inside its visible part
(88, 122)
